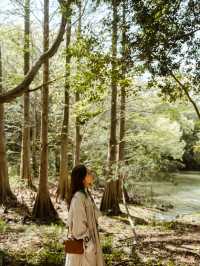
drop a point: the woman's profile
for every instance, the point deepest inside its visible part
(82, 220)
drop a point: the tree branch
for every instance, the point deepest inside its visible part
(47, 83)
(184, 89)
(23, 86)
(186, 93)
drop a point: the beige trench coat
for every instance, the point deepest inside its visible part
(82, 222)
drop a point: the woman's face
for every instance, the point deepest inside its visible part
(88, 180)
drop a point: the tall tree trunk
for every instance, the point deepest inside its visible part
(25, 169)
(57, 159)
(77, 99)
(110, 202)
(123, 89)
(43, 208)
(122, 103)
(63, 186)
(5, 191)
(34, 140)
(36, 129)
(77, 135)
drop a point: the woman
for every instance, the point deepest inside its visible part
(82, 220)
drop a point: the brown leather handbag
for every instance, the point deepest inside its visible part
(74, 246)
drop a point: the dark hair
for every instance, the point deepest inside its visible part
(78, 174)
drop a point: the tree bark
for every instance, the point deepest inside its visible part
(123, 89)
(35, 136)
(122, 104)
(22, 87)
(77, 135)
(110, 202)
(25, 169)
(43, 208)
(5, 190)
(63, 186)
(77, 99)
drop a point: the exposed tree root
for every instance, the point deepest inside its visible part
(44, 209)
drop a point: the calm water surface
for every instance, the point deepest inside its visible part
(183, 194)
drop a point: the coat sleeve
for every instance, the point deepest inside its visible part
(79, 224)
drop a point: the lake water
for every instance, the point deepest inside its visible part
(183, 194)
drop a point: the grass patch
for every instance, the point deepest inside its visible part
(107, 245)
(49, 255)
(43, 246)
(160, 263)
(3, 226)
(54, 231)
(171, 225)
(52, 253)
(110, 255)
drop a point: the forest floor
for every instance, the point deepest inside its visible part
(23, 242)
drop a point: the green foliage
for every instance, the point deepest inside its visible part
(53, 232)
(48, 255)
(107, 245)
(170, 225)
(111, 255)
(192, 152)
(153, 140)
(3, 226)
(89, 79)
(151, 262)
(167, 41)
(171, 263)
